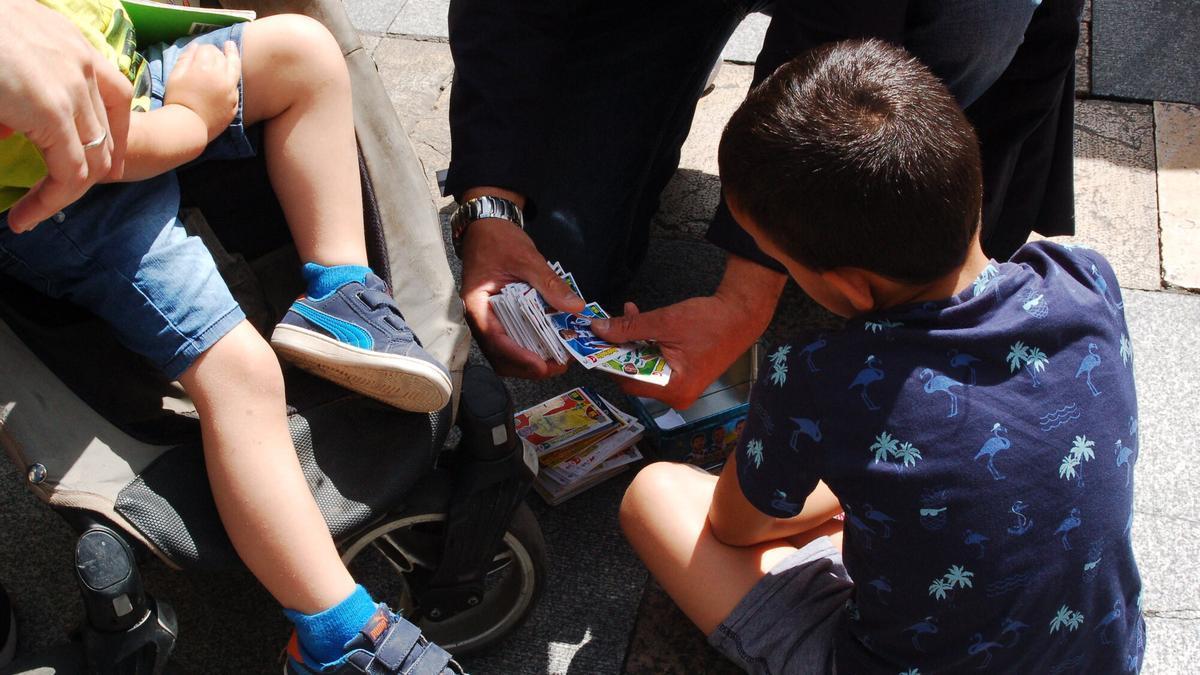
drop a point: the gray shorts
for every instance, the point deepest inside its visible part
(786, 623)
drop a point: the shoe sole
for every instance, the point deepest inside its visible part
(401, 381)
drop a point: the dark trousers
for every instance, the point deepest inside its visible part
(583, 106)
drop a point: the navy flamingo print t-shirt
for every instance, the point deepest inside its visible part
(983, 449)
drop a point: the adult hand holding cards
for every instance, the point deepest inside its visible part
(561, 336)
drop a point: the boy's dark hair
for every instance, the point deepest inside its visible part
(854, 154)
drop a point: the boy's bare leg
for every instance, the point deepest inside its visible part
(260, 491)
(295, 81)
(665, 517)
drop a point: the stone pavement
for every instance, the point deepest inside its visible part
(1138, 202)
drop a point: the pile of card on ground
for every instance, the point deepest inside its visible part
(580, 439)
(558, 336)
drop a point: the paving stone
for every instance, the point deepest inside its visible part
(691, 197)
(369, 42)
(1167, 377)
(1167, 550)
(423, 17)
(1177, 139)
(414, 74)
(373, 15)
(747, 40)
(1116, 204)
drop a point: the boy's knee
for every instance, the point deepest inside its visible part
(647, 491)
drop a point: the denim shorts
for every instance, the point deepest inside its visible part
(121, 252)
(788, 620)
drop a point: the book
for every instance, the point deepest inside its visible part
(164, 22)
(576, 455)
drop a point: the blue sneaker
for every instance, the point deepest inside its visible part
(357, 338)
(387, 644)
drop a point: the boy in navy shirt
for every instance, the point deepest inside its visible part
(975, 421)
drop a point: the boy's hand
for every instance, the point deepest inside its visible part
(205, 81)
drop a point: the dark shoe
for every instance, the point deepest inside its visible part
(387, 644)
(357, 338)
(8, 630)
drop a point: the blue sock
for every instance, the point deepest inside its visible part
(322, 281)
(323, 635)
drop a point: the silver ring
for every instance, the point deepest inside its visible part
(97, 142)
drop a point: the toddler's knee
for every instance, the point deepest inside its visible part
(254, 362)
(306, 42)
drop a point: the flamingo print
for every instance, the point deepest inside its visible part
(943, 384)
(865, 377)
(927, 626)
(978, 645)
(1123, 452)
(808, 351)
(1069, 523)
(1023, 522)
(1105, 624)
(962, 360)
(1088, 364)
(994, 445)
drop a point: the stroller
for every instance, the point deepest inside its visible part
(114, 449)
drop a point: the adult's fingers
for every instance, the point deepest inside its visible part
(553, 289)
(66, 174)
(507, 356)
(93, 126)
(631, 326)
(116, 93)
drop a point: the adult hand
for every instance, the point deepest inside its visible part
(700, 337)
(60, 92)
(496, 253)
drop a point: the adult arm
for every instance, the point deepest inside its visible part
(701, 337)
(504, 58)
(60, 93)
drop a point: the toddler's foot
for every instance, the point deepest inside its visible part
(387, 644)
(356, 337)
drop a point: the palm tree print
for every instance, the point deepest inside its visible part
(939, 587)
(779, 365)
(1066, 618)
(1031, 358)
(754, 450)
(908, 453)
(984, 280)
(883, 446)
(911, 671)
(1072, 465)
(957, 576)
(1126, 350)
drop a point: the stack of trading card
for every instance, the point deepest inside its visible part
(559, 336)
(580, 439)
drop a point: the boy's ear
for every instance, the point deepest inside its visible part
(854, 285)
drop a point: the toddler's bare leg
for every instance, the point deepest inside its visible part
(256, 479)
(295, 81)
(665, 517)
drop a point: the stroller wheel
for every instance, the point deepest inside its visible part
(396, 559)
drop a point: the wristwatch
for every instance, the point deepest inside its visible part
(478, 208)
